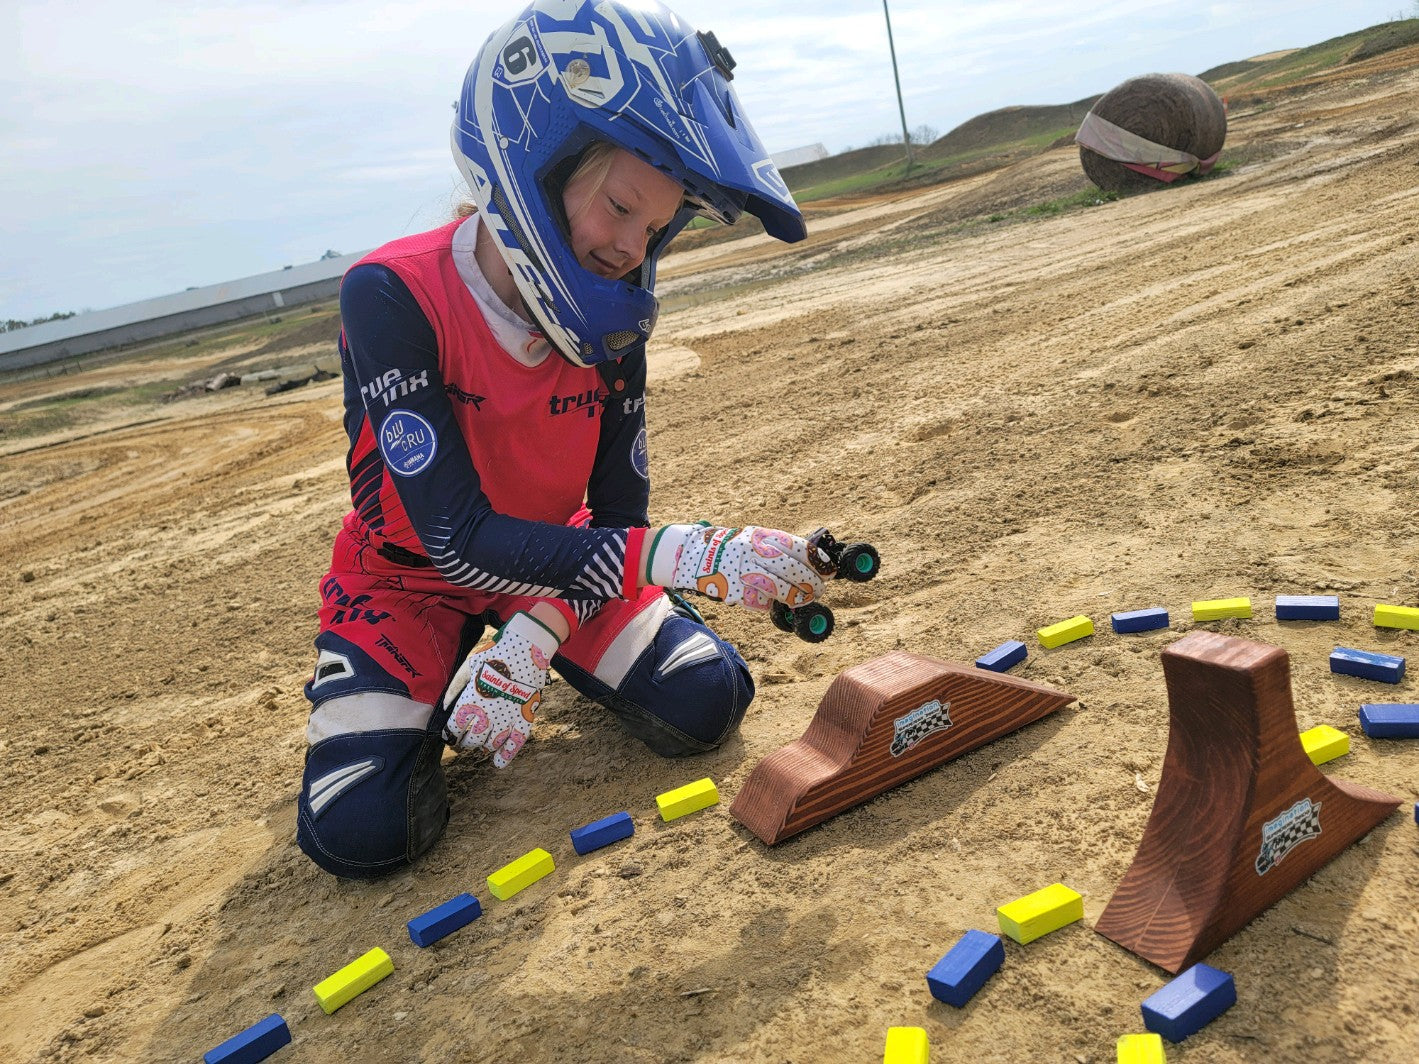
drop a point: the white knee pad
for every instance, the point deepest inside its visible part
(365, 712)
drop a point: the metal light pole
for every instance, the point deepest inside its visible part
(901, 108)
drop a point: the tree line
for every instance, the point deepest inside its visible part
(11, 324)
(919, 135)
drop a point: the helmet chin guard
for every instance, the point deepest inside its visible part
(564, 74)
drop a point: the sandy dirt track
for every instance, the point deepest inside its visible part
(1202, 393)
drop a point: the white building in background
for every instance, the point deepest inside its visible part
(809, 153)
(152, 319)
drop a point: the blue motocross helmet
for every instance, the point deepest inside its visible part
(567, 73)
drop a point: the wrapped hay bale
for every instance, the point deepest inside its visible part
(1150, 129)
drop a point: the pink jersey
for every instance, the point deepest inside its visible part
(530, 431)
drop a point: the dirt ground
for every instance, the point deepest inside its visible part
(1206, 392)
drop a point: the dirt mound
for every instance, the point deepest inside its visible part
(1008, 125)
(1386, 46)
(318, 328)
(844, 164)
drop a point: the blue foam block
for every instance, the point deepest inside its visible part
(1140, 620)
(1395, 720)
(1308, 607)
(1362, 663)
(956, 977)
(255, 1043)
(1003, 657)
(602, 832)
(445, 920)
(1190, 1002)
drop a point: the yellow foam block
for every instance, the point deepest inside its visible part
(1141, 1049)
(523, 872)
(1324, 743)
(1056, 635)
(1397, 617)
(1027, 918)
(687, 799)
(906, 1045)
(352, 980)
(1216, 609)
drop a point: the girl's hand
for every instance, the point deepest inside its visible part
(749, 566)
(495, 693)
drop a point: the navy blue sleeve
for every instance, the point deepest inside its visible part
(392, 351)
(618, 494)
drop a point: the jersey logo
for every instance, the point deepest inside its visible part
(589, 400)
(393, 385)
(640, 455)
(455, 392)
(407, 442)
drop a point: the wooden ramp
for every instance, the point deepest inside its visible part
(880, 724)
(1241, 816)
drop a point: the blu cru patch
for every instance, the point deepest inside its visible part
(640, 456)
(407, 442)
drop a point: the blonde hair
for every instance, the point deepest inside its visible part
(594, 164)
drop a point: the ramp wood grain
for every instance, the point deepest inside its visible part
(875, 728)
(1241, 816)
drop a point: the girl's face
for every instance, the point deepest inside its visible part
(613, 219)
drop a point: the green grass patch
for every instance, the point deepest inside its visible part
(1089, 197)
(1303, 63)
(73, 409)
(66, 400)
(54, 413)
(884, 177)
(858, 183)
(149, 392)
(1045, 139)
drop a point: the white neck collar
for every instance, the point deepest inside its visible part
(515, 336)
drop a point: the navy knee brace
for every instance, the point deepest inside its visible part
(684, 694)
(371, 801)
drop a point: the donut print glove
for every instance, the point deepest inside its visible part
(749, 566)
(496, 691)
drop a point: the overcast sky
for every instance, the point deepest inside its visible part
(146, 147)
